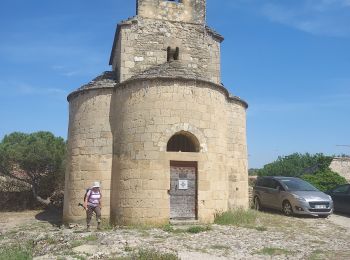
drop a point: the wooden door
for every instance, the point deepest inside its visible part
(183, 190)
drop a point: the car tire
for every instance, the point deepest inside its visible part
(287, 208)
(257, 204)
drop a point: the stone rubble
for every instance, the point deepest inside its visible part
(299, 238)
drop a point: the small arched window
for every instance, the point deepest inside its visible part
(183, 142)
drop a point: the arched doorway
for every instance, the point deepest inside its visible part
(183, 177)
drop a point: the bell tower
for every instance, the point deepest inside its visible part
(190, 11)
(164, 31)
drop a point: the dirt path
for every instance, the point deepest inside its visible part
(10, 220)
(13, 220)
(340, 220)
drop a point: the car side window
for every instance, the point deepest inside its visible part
(279, 185)
(272, 184)
(265, 183)
(258, 182)
(341, 189)
(261, 182)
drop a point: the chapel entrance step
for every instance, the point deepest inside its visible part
(184, 222)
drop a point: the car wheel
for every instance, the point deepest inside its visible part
(287, 208)
(257, 204)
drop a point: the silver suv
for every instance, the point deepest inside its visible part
(292, 196)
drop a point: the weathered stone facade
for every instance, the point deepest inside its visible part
(121, 123)
(341, 165)
(142, 43)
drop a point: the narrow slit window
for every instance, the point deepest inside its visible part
(173, 54)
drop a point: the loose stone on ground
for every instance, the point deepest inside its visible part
(281, 238)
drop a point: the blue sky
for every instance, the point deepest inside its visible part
(290, 60)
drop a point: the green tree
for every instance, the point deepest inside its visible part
(36, 159)
(312, 168)
(325, 180)
(296, 165)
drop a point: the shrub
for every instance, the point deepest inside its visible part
(325, 180)
(15, 201)
(168, 228)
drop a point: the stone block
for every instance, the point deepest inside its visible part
(204, 185)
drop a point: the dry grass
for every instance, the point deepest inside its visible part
(272, 251)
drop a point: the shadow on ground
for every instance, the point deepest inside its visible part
(346, 215)
(278, 212)
(51, 215)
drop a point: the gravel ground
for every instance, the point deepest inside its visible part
(271, 236)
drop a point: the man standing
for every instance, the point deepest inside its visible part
(92, 204)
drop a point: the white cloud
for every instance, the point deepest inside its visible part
(319, 17)
(67, 72)
(21, 88)
(323, 17)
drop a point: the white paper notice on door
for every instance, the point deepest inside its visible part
(183, 184)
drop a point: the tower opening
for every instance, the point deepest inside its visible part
(183, 142)
(173, 54)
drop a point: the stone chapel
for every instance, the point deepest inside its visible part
(160, 132)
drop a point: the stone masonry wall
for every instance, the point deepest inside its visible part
(189, 11)
(89, 150)
(237, 157)
(145, 115)
(341, 165)
(143, 44)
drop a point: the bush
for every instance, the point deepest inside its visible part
(325, 180)
(16, 201)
